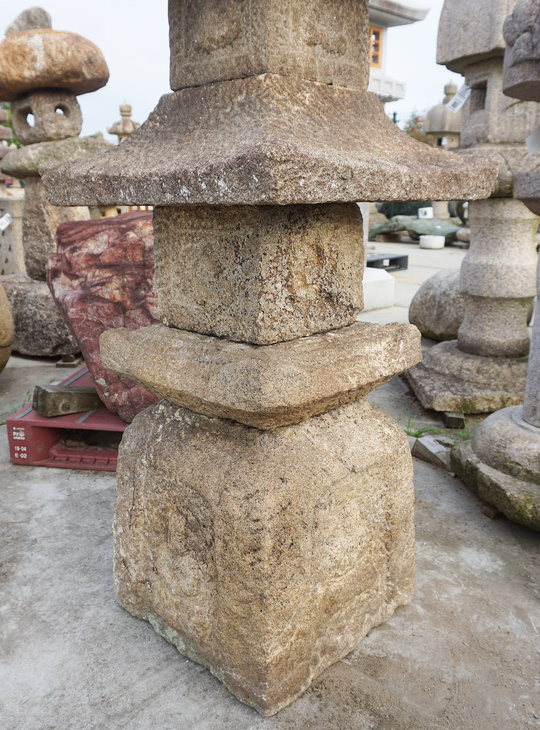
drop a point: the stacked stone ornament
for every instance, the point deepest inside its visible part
(502, 461)
(264, 512)
(41, 73)
(486, 367)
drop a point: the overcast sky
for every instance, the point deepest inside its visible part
(133, 37)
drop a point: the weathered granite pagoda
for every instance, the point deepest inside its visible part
(264, 513)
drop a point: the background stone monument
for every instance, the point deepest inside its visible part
(264, 514)
(502, 461)
(485, 369)
(41, 72)
(126, 126)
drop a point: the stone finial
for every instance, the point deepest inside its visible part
(522, 55)
(30, 19)
(440, 121)
(126, 126)
(49, 59)
(450, 90)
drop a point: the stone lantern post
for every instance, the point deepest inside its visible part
(264, 509)
(502, 461)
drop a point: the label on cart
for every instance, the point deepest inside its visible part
(20, 452)
(18, 434)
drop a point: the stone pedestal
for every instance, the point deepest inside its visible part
(289, 545)
(501, 464)
(264, 520)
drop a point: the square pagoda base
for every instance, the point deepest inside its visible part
(264, 555)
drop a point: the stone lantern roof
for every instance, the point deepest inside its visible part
(440, 120)
(471, 32)
(259, 116)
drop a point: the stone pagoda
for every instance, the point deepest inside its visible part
(486, 367)
(264, 512)
(501, 463)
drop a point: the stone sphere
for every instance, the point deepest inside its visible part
(438, 307)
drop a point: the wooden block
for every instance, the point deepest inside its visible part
(70, 361)
(427, 449)
(59, 400)
(453, 420)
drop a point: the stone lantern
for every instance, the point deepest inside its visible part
(485, 368)
(264, 513)
(501, 463)
(41, 73)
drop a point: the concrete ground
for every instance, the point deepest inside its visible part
(463, 655)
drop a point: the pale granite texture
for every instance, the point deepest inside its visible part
(438, 306)
(259, 274)
(267, 386)
(29, 20)
(264, 555)
(490, 117)
(512, 159)
(531, 404)
(502, 461)
(268, 140)
(527, 189)
(215, 41)
(45, 59)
